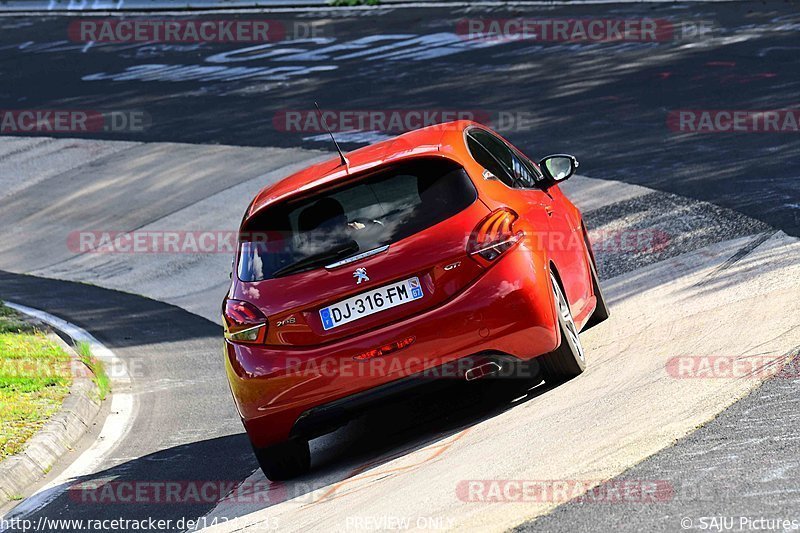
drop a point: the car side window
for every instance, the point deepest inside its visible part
(489, 156)
(488, 150)
(535, 176)
(522, 173)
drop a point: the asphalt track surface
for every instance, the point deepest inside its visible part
(605, 103)
(743, 464)
(185, 428)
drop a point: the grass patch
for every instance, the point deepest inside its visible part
(10, 321)
(34, 379)
(100, 377)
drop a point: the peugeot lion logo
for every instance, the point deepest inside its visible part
(361, 275)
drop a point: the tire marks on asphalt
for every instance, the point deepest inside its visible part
(740, 254)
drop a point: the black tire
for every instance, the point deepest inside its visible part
(285, 460)
(601, 312)
(568, 360)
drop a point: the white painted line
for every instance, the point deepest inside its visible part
(116, 427)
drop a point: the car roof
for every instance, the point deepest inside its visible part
(431, 140)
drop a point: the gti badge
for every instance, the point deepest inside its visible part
(361, 275)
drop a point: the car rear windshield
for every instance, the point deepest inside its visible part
(378, 210)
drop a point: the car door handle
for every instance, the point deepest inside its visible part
(549, 210)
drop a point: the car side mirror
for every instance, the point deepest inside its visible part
(559, 167)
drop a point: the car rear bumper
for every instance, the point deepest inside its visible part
(328, 417)
(284, 391)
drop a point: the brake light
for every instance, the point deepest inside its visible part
(494, 235)
(386, 349)
(243, 322)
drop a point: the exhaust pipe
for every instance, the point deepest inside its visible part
(481, 371)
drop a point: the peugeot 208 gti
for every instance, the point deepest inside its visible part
(358, 275)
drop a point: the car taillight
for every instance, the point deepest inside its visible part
(243, 322)
(494, 235)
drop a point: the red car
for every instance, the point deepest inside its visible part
(444, 252)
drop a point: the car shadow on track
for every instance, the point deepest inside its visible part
(175, 484)
(190, 480)
(384, 434)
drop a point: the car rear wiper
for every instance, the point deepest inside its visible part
(322, 257)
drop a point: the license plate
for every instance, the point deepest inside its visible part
(371, 302)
